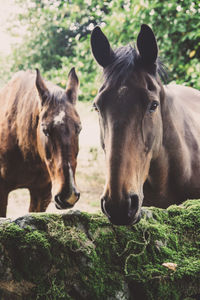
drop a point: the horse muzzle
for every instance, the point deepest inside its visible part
(63, 201)
(127, 213)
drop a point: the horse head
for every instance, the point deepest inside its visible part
(57, 137)
(129, 108)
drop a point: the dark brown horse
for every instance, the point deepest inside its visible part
(150, 133)
(39, 129)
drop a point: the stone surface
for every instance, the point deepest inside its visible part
(82, 256)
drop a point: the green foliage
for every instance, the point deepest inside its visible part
(177, 28)
(176, 25)
(58, 37)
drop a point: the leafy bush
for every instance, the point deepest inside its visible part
(58, 36)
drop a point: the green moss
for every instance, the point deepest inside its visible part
(11, 232)
(27, 248)
(83, 256)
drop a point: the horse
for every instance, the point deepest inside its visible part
(39, 128)
(150, 132)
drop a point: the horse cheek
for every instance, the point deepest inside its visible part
(152, 133)
(148, 133)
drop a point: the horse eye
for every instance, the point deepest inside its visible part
(94, 106)
(78, 129)
(153, 106)
(46, 132)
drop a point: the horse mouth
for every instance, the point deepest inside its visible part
(63, 206)
(125, 221)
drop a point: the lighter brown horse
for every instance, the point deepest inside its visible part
(150, 133)
(39, 129)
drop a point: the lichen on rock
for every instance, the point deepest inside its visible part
(82, 256)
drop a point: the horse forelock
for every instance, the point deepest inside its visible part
(56, 96)
(126, 61)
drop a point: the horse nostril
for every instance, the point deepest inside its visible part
(103, 207)
(58, 201)
(77, 194)
(133, 205)
(134, 201)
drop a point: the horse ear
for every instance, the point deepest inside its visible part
(41, 87)
(72, 86)
(147, 45)
(101, 47)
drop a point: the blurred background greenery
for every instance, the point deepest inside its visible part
(56, 36)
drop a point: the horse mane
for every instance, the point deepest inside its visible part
(126, 60)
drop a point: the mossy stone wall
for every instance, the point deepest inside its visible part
(82, 256)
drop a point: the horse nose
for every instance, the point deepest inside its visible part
(64, 202)
(125, 213)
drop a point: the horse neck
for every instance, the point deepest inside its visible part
(27, 128)
(172, 142)
(171, 117)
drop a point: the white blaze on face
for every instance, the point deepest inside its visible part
(59, 119)
(56, 188)
(72, 200)
(122, 91)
